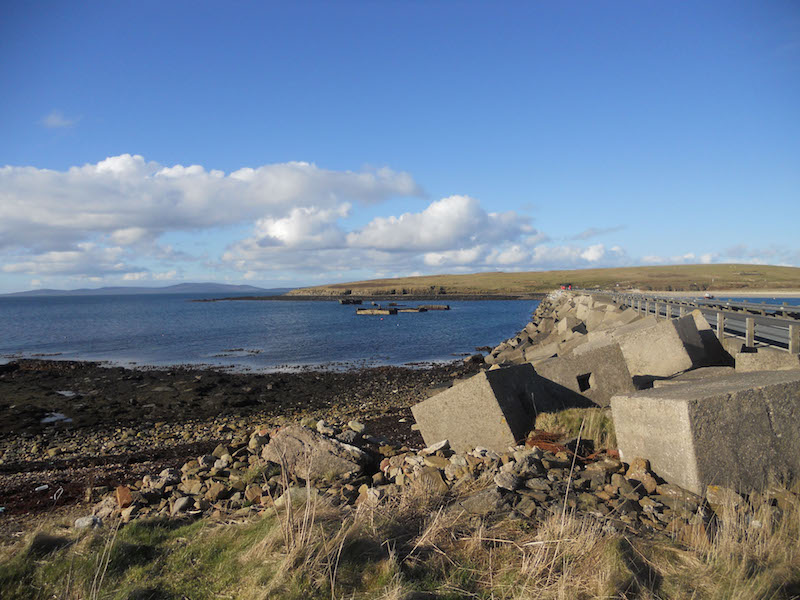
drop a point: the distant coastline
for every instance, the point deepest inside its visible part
(380, 298)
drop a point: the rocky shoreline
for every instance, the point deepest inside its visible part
(78, 425)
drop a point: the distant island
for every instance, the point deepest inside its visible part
(180, 288)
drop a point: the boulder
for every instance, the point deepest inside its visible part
(766, 359)
(493, 409)
(597, 375)
(307, 454)
(734, 431)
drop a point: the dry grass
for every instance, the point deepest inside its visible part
(597, 423)
(663, 278)
(414, 546)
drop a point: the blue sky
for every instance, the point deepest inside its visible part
(281, 144)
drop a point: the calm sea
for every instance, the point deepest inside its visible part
(259, 335)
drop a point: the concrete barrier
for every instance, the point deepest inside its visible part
(766, 359)
(734, 431)
(664, 349)
(597, 375)
(493, 409)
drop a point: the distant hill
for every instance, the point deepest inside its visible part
(180, 288)
(663, 278)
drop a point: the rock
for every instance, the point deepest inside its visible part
(438, 462)
(180, 505)
(311, 456)
(325, 429)
(640, 471)
(88, 522)
(721, 497)
(429, 480)
(506, 481)
(123, 495)
(434, 448)
(357, 427)
(216, 491)
(219, 451)
(485, 502)
(297, 495)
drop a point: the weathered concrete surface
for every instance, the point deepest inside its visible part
(311, 455)
(715, 353)
(664, 349)
(493, 409)
(570, 323)
(597, 375)
(700, 374)
(732, 431)
(535, 354)
(766, 359)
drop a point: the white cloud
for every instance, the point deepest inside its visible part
(85, 258)
(56, 120)
(592, 232)
(130, 199)
(594, 253)
(135, 276)
(455, 221)
(463, 256)
(305, 227)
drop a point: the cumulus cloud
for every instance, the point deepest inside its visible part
(86, 258)
(109, 220)
(56, 120)
(129, 199)
(452, 221)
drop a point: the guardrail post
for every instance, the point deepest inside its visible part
(794, 339)
(720, 326)
(750, 334)
(655, 305)
(683, 310)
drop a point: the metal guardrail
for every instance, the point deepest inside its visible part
(776, 325)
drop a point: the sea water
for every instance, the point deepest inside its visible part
(248, 335)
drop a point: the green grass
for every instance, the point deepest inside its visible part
(662, 278)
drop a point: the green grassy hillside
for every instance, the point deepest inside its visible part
(662, 278)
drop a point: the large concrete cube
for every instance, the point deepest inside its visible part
(766, 359)
(493, 409)
(735, 431)
(597, 375)
(667, 348)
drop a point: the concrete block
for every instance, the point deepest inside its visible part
(735, 431)
(766, 359)
(493, 409)
(715, 353)
(596, 375)
(594, 319)
(570, 323)
(694, 375)
(620, 317)
(664, 349)
(537, 353)
(583, 310)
